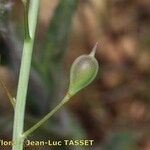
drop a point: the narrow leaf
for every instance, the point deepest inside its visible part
(26, 22)
(9, 96)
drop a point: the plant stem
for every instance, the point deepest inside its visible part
(24, 78)
(43, 120)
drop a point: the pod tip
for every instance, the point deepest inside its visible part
(94, 50)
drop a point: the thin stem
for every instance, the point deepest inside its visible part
(50, 114)
(24, 78)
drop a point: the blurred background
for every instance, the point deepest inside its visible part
(115, 109)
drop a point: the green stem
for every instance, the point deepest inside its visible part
(24, 78)
(43, 120)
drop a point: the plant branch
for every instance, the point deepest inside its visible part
(48, 116)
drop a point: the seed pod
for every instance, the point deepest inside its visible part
(83, 71)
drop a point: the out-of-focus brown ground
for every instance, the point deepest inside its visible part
(119, 98)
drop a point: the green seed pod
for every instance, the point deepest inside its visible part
(83, 71)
